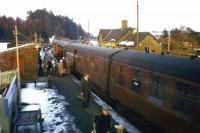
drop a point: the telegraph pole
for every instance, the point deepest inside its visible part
(16, 33)
(169, 39)
(88, 31)
(40, 40)
(78, 32)
(137, 23)
(35, 35)
(88, 27)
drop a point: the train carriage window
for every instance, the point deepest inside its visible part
(86, 62)
(94, 67)
(157, 86)
(135, 83)
(93, 64)
(156, 92)
(121, 76)
(186, 98)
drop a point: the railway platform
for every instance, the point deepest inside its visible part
(69, 87)
(61, 109)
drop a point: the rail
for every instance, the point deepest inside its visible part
(7, 76)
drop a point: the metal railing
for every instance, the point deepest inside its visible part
(7, 76)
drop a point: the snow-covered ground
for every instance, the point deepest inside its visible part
(56, 118)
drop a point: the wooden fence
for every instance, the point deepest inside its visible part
(7, 76)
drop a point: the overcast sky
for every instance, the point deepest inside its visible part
(155, 15)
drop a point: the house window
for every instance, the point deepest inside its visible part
(186, 98)
(121, 76)
(157, 85)
(135, 83)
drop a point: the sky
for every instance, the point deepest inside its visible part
(154, 15)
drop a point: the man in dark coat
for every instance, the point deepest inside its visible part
(85, 90)
(49, 66)
(103, 121)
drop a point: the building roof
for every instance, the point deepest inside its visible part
(142, 35)
(104, 32)
(113, 34)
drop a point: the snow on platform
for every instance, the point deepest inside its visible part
(56, 118)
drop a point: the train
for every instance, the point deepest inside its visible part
(163, 88)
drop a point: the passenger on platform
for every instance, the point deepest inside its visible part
(60, 68)
(67, 67)
(45, 66)
(40, 71)
(64, 64)
(54, 66)
(85, 90)
(49, 67)
(103, 121)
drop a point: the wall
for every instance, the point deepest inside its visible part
(28, 59)
(150, 42)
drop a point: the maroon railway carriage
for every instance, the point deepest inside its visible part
(163, 88)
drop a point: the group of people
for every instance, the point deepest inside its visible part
(61, 68)
(102, 122)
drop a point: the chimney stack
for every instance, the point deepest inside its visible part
(124, 24)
